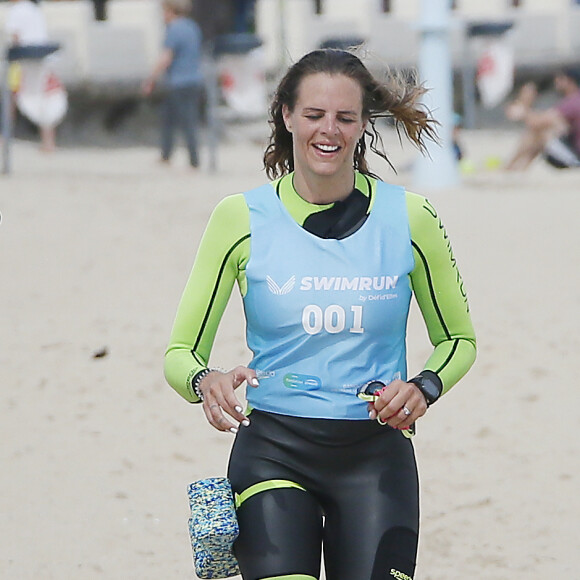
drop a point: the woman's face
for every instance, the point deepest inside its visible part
(326, 124)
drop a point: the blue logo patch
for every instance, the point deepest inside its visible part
(305, 382)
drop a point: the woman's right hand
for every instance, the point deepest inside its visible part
(219, 398)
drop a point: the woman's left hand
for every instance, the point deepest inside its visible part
(398, 405)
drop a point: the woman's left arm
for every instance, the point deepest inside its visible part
(442, 299)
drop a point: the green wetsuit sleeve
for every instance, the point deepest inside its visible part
(440, 294)
(220, 261)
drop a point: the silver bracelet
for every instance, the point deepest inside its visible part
(197, 380)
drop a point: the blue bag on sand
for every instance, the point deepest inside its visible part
(213, 527)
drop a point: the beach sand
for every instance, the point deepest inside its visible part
(97, 451)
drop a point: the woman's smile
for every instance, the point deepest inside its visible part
(326, 148)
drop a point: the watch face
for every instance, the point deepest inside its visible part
(430, 389)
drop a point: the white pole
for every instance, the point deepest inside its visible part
(283, 38)
(438, 169)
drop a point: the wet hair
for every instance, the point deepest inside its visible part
(397, 98)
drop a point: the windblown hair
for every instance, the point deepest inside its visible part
(396, 98)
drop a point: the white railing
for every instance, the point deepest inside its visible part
(124, 48)
(544, 33)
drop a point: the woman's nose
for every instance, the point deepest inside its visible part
(330, 126)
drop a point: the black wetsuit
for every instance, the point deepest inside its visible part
(365, 512)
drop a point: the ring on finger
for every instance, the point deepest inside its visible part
(406, 411)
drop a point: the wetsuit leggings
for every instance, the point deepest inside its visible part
(348, 488)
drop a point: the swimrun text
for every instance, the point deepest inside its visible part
(360, 283)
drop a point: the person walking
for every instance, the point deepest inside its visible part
(179, 67)
(327, 257)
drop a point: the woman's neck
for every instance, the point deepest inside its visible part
(323, 190)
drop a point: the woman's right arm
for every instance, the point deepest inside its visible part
(221, 259)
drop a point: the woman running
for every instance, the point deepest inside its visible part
(326, 257)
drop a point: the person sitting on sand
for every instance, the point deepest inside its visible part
(554, 132)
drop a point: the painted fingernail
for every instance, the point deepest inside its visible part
(372, 415)
(255, 382)
(238, 409)
(233, 430)
(245, 422)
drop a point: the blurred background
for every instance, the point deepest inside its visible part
(108, 48)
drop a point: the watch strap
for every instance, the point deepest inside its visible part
(434, 379)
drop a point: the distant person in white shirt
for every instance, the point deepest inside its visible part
(26, 26)
(25, 23)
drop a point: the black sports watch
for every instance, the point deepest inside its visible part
(429, 384)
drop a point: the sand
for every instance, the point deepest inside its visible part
(96, 450)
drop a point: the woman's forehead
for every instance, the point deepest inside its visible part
(325, 89)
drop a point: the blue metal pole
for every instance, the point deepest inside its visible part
(213, 125)
(438, 169)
